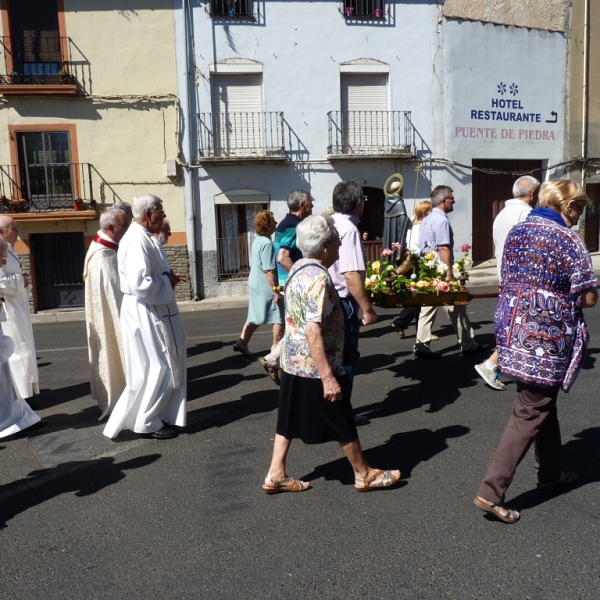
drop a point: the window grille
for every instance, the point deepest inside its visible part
(231, 8)
(364, 9)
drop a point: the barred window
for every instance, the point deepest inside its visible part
(231, 8)
(374, 9)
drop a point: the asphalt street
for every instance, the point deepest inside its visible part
(82, 517)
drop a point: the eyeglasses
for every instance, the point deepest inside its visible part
(364, 198)
(450, 198)
(161, 211)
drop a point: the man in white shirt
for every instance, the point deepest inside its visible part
(525, 192)
(153, 401)
(14, 288)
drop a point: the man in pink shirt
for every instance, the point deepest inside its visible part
(348, 272)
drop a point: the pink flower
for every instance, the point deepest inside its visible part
(396, 246)
(386, 252)
(465, 247)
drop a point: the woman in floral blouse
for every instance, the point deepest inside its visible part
(547, 279)
(314, 398)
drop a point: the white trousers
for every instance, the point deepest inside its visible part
(460, 323)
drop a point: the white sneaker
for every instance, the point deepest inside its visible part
(490, 376)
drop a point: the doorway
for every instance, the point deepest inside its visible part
(58, 270)
(490, 192)
(372, 221)
(592, 229)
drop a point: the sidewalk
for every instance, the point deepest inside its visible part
(483, 274)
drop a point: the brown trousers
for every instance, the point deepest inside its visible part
(534, 420)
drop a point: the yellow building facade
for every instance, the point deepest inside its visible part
(88, 116)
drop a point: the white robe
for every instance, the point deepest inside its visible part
(23, 363)
(15, 413)
(103, 299)
(153, 340)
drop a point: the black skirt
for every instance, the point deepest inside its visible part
(306, 415)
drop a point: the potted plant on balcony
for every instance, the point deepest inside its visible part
(14, 78)
(77, 204)
(64, 76)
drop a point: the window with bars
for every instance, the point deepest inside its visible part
(371, 9)
(231, 8)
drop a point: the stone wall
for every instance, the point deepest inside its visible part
(180, 263)
(537, 14)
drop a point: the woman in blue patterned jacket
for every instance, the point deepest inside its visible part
(547, 279)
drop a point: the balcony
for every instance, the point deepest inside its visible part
(370, 134)
(48, 191)
(238, 137)
(40, 66)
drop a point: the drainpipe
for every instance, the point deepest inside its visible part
(188, 94)
(585, 90)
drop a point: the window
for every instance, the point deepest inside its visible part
(236, 234)
(231, 8)
(364, 110)
(373, 9)
(45, 169)
(34, 50)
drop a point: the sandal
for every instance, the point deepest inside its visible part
(289, 484)
(272, 371)
(511, 516)
(239, 346)
(565, 480)
(398, 329)
(387, 480)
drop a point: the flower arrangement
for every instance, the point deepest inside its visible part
(422, 273)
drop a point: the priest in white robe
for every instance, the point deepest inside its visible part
(15, 413)
(103, 298)
(153, 401)
(14, 289)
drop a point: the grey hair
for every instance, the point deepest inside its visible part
(3, 244)
(439, 193)
(4, 221)
(124, 206)
(312, 233)
(346, 197)
(109, 217)
(296, 198)
(524, 186)
(143, 202)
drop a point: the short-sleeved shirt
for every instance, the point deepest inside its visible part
(514, 211)
(310, 297)
(436, 231)
(352, 252)
(540, 331)
(285, 237)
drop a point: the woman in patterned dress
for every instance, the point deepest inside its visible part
(541, 337)
(314, 397)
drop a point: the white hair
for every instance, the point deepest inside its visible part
(4, 221)
(524, 186)
(312, 233)
(109, 217)
(124, 206)
(143, 202)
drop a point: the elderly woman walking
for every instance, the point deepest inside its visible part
(314, 398)
(265, 304)
(541, 337)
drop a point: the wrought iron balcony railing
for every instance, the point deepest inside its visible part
(370, 133)
(241, 9)
(45, 59)
(364, 9)
(46, 187)
(233, 255)
(241, 136)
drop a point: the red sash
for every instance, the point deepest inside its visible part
(106, 243)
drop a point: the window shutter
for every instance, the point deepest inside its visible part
(237, 93)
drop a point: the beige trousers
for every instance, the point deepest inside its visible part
(460, 322)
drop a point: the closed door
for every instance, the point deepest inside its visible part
(58, 270)
(364, 112)
(490, 192)
(239, 121)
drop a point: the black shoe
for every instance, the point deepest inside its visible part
(477, 350)
(360, 420)
(427, 355)
(165, 433)
(34, 403)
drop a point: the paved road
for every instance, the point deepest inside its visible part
(82, 517)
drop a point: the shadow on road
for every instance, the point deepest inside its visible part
(577, 457)
(49, 398)
(402, 451)
(84, 478)
(223, 414)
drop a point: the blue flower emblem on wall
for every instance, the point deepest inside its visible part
(502, 88)
(514, 89)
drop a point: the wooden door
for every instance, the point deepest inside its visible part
(490, 192)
